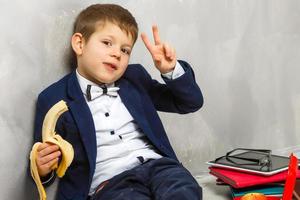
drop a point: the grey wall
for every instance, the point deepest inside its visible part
(245, 54)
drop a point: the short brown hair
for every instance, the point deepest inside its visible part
(97, 14)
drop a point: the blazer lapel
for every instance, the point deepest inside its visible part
(83, 118)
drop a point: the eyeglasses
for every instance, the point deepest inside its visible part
(255, 157)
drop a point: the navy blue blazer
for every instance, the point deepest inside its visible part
(141, 95)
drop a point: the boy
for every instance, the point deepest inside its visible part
(121, 148)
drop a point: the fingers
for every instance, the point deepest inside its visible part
(47, 157)
(147, 42)
(46, 168)
(46, 148)
(169, 51)
(156, 35)
(159, 51)
(157, 58)
(152, 49)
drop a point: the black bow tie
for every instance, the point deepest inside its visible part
(93, 92)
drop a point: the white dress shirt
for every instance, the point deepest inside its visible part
(121, 144)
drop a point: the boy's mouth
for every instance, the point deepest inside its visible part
(110, 65)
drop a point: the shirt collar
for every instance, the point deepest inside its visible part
(83, 82)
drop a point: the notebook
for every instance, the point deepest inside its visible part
(268, 198)
(273, 190)
(239, 179)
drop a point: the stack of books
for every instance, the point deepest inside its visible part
(278, 181)
(242, 183)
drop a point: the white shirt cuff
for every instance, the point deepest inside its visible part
(177, 72)
(49, 179)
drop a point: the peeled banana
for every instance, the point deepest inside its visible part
(49, 135)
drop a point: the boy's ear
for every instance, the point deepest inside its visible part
(77, 43)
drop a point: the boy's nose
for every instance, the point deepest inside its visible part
(115, 52)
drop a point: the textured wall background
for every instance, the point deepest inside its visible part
(245, 54)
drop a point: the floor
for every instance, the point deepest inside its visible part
(211, 191)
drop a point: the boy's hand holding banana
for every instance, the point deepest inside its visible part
(44, 156)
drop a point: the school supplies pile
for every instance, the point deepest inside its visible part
(49, 135)
(256, 172)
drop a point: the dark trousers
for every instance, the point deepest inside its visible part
(161, 179)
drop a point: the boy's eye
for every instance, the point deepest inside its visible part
(126, 51)
(107, 43)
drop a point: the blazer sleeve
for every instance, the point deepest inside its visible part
(181, 95)
(40, 113)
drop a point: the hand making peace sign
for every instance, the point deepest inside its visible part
(164, 56)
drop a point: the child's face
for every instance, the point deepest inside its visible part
(105, 56)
